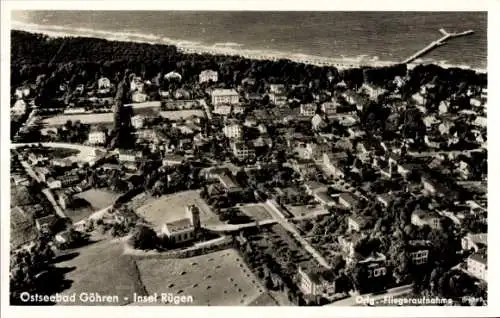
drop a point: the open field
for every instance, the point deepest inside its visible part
(178, 114)
(101, 268)
(168, 208)
(60, 120)
(298, 211)
(257, 212)
(99, 199)
(217, 279)
(104, 118)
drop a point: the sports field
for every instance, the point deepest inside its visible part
(216, 279)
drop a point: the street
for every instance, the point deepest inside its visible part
(295, 233)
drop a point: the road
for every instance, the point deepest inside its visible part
(295, 233)
(207, 109)
(237, 227)
(376, 299)
(46, 191)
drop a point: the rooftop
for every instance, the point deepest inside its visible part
(179, 225)
(481, 258)
(224, 92)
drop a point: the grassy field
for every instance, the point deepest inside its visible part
(101, 268)
(257, 212)
(104, 118)
(99, 199)
(217, 279)
(60, 120)
(184, 114)
(168, 208)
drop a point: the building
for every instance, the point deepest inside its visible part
(276, 99)
(241, 150)
(386, 199)
(136, 84)
(139, 97)
(232, 131)
(317, 122)
(223, 110)
(137, 121)
(316, 283)
(46, 224)
(332, 165)
(347, 200)
(127, 156)
(185, 229)
(22, 92)
(374, 265)
(421, 218)
(68, 180)
(355, 223)
(372, 91)
(477, 266)
(97, 138)
(229, 183)
(329, 108)
(103, 83)
(419, 252)
(276, 88)
(308, 110)
(64, 200)
(53, 183)
(225, 96)
(474, 242)
(207, 76)
(173, 76)
(19, 108)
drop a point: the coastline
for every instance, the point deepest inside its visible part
(230, 49)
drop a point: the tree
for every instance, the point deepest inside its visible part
(144, 238)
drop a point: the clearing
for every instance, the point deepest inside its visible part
(101, 268)
(60, 120)
(258, 212)
(216, 279)
(98, 199)
(171, 207)
(182, 114)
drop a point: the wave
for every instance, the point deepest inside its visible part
(223, 48)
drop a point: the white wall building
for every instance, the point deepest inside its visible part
(225, 96)
(308, 109)
(137, 121)
(232, 131)
(208, 75)
(97, 138)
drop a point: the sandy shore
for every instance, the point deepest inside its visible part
(190, 47)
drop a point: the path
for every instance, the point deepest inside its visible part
(295, 233)
(237, 227)
(46, 191)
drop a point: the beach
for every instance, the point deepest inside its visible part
(207, 38)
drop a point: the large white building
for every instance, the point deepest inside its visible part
(308, 109)
(19, 107)
(232, 131)
(241, 150)
(22, 92)
(137, 121)
(97, 138)
(477, 266)
(208, 75)
(225, 96)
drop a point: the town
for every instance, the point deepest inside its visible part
(243, 182)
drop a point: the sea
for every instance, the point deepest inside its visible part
(362, 36)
